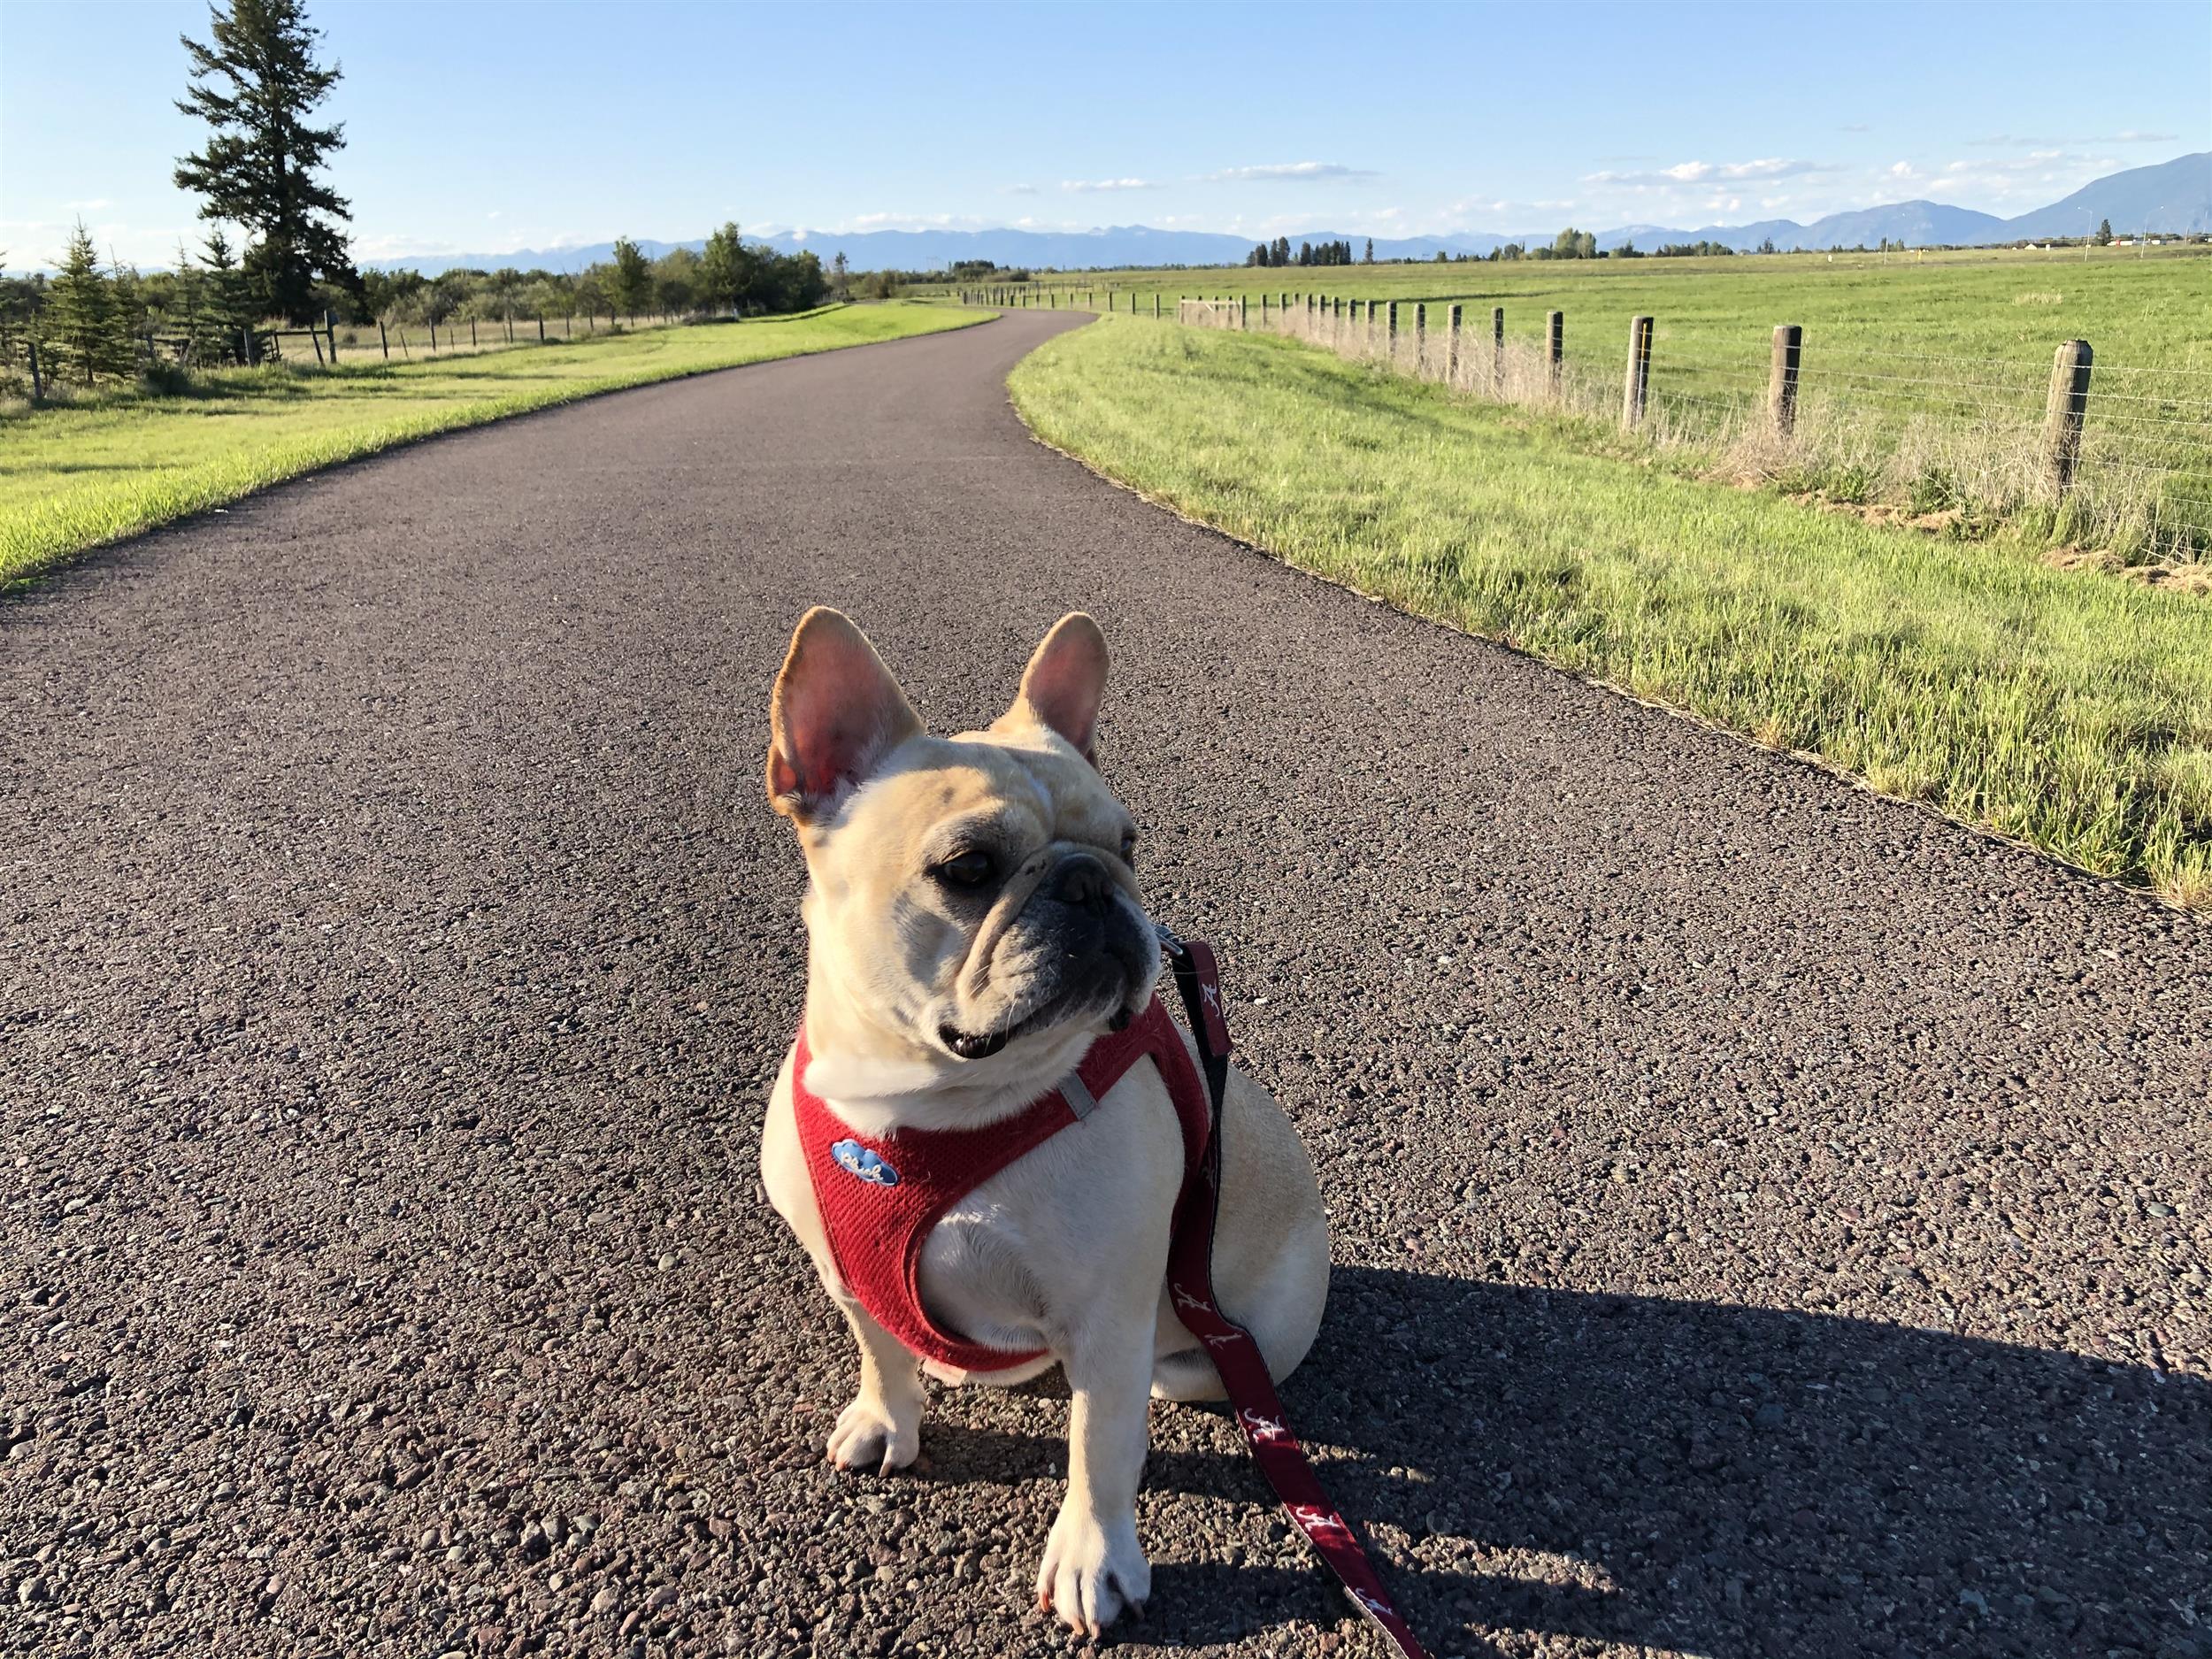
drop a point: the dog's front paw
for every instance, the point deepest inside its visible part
(875, 1434)
(1091, 1572)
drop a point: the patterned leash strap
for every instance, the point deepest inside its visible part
(1236, 1357)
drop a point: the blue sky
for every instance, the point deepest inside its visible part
(484, 127)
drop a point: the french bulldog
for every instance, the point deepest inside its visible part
(974, 925)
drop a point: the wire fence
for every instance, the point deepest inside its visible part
(2113, 457)
(2117, 455)
(39, 366)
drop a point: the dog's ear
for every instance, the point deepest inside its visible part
(837, 712)
(1064, 682)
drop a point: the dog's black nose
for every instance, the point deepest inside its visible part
(1082, 883)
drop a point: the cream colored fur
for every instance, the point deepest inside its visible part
(1065, 1249)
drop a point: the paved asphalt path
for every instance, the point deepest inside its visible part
(1769, 1220)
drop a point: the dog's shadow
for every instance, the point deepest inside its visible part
(1729, 1480)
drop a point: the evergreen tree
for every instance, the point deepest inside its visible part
(1282, 250)
(83, 321)
(2104, 233)
(841, 273)
(1370, 251)
(632, 277)
(213, 319)
(230, 305)
(255, 85)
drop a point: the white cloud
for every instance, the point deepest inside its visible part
(1021, 189)
(1089, 185)
(1685, 173)
(1290, 173)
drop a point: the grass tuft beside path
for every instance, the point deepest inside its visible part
(2064, 709)
(73, 478)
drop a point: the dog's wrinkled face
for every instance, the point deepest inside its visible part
(968, 892)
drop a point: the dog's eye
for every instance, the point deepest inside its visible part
(971, 869)
(1129, 847)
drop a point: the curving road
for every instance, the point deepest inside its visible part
(1769, 1220)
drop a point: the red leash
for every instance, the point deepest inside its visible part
(1236, 1357)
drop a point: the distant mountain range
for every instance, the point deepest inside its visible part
(2172, 196)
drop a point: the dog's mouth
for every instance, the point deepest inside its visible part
(981, 1045)
(973, 1045)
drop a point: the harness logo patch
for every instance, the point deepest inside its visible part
(856, 1160)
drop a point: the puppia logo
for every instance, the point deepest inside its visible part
(856, 1159)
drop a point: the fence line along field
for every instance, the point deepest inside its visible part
(1923, 385)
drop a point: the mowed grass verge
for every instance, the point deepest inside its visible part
(2059, 707)
(73, 478)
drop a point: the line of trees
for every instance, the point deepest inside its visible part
(728, 277)
(104, 320)
(1277, 252)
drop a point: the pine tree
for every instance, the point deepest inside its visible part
(89, 334)
(2104, 233)
(226, 310)
(1370, 251)
(255, 87)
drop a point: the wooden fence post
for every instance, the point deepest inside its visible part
(317, 338)
(1497, 352)
(471, 333)
(1242, 319)
(1451, 345)
(1155, 305)
(1555, 347)
(1789, 345)
(2062, 417)
(383, 339)
(38, 380)
(245, 346)
(541, 329)
(1420, 338)
(1390, 331)
(1636, 394)
(330, 326)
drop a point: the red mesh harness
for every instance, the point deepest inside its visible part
(879, 1200)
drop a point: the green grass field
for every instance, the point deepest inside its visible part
(2147, 310)
(1924, 382)
(72, 478)
(2064, 709)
